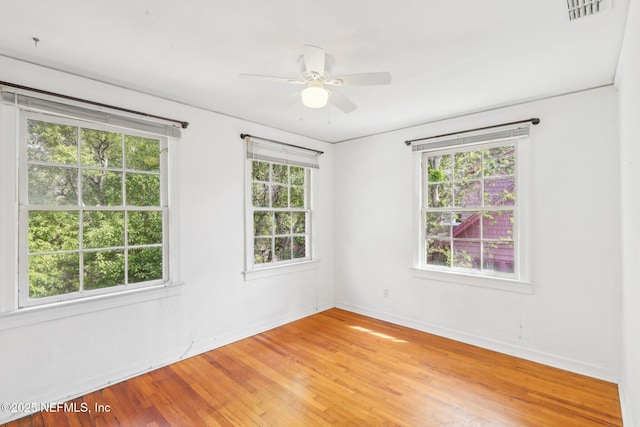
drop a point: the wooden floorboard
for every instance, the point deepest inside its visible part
(341, 368)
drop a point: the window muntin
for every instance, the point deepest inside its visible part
(93, 210)
(469, 210)
(279, 213)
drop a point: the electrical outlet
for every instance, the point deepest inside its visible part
(385, 293)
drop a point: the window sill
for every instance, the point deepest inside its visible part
(277, 270)
(498, 283)
(58, 310)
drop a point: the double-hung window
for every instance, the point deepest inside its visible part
(471, 219)
(279, 211)
(93, 209)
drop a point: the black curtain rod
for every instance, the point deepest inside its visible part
(534, 121)
(97, 104)
(246, 135)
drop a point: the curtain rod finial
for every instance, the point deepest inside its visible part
(407, 143)
(244, 135)
(535, 121)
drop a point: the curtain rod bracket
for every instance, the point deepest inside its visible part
(533, 121)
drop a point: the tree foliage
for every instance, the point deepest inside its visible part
(97, 236)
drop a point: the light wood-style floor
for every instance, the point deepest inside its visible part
(340, 368)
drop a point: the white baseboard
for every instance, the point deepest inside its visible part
(73, 391)
(555, 361)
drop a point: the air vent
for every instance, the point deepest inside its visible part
(581, 8)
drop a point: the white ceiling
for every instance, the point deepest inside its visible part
(446, 57)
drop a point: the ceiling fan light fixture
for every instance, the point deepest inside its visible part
(315, 95)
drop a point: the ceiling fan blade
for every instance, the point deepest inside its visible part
(273, 79)
(313, 58)
(364, 79)
(341, 102)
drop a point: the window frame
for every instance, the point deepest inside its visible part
(520, 280)
(24, 299)
(260, 270)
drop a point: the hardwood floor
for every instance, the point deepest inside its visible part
(340, 368)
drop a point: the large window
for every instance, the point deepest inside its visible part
(473, 216)
(93, 209)
(469, 210)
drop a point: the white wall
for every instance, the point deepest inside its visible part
(628, 81)
(49, 355)
(573, 318)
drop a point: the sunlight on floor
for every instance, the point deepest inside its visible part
(378, 334)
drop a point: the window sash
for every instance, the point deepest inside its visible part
(251, 265)
(25, 208)
(482, 209)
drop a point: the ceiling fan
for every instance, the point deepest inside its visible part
(315, 66)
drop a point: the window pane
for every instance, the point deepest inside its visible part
(260, 171)
(439, 168)
(100, 148)
(467, 194)
(283, 222)
(103, 269)
(299, 222)
(103, 229)
(466, 225)
(51, 231)
(498, 256)
(299, 247)
(54, 274)
(500, 192)
(499, 161)
(438, 252)
(467, 165)
(297, 175)
(52, 142)
(282, 248)
(142, 153)
(439, 224)
(280, 196)
(497, 225)
(260, 195)
(144, 227)
(466, 255)
(101, 188)
(281, 174)
(439, 196)
(262, 251)
(262, 223)
(53, 186)
(143, 189)
(297, 197)
(145, 264)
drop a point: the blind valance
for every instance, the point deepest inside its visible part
(503, 135)
(96, 115)
(273, 151)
